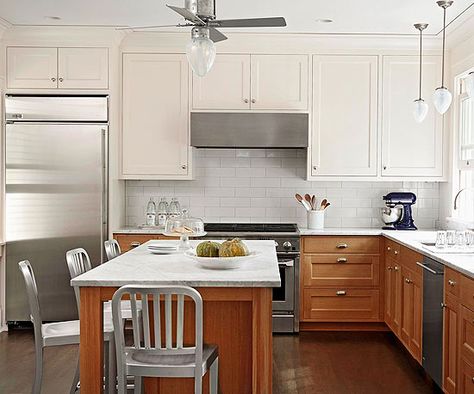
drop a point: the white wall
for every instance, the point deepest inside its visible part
(258, 185)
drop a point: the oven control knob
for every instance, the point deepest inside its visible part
(276, 244)
(287, 245)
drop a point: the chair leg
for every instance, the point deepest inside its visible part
(38, 369)
(214, 377)
(198, 385)
(121, 380)
(106, 366)
(112, 367)
(76, 378)
(138, 385)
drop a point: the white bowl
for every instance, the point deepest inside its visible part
(220, 263)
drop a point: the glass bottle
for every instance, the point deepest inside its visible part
(162, 212)
(151, 213)
(174, 209)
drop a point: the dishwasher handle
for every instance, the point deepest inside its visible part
(429, 269)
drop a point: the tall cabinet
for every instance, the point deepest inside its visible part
(155, 137)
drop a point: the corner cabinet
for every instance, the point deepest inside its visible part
(155, 117)
(410, 149)
(253, 82)
(57, 68)
(344, 132)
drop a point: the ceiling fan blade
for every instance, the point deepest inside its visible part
(186, 14)
(215, 35)
(254, 22)
(145, 27)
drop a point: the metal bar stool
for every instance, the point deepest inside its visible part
(112, 249)
(58, 333)
(152, 359)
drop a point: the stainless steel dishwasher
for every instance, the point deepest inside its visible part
(433, 288)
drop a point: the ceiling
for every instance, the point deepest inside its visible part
(362, 16)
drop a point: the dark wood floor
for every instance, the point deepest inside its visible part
(326, 363)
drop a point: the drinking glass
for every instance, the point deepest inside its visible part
(451, 238)
(460, 239)
(441, 239)
(469, 238)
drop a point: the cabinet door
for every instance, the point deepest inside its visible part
(396, 299)
(279, 82)
(410, 148)
(466, 378)
(416, 336)
(344, 135)
(389, 294)
(32, 68)
(83, 68)
(406, 326)
(227, 86)
(155, 116)
(450, 343)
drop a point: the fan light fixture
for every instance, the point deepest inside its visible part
(469, 84)
(201, 51)
(442, 97)
(420, 107)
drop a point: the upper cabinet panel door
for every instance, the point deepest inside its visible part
(344, 136)
(226, 87)
(155, 116)
(279, 82)
(32, 68)
(409, 148)
(83, 68)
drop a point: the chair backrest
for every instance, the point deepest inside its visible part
(112, 249)
(78, 262)
(32, 293)
(155, 296)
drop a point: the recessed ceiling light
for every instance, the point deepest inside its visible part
(54, 18)
(324, 20)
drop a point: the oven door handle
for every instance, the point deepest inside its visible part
(286, 263)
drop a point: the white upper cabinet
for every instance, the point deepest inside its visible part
(344, 132)
(83, 68)
(246, 82)
(279, 82)
(51, 68)
(410, 149)
(226, 86)
(155, 142)
(32, 68)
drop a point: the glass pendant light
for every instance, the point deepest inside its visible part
(201, 51)
(420, 108)
(442, 96)
(469, 84)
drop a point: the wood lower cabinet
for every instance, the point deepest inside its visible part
(393, 299)
(450, 341)
(466, 378)
(130, 241)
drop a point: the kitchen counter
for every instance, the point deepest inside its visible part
(142, 267)
(341, 231)
(139, 230)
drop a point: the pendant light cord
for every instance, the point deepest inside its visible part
(421, 62)
(444, 46)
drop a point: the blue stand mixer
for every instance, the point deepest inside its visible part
(398, 214)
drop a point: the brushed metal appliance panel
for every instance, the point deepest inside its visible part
(54, 108)
(54, 202)
(249, 130)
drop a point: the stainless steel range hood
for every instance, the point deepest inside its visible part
(249, 130)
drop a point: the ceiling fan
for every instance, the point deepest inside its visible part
(201, 16)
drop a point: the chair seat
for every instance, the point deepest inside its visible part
(125, 306)
(68, 332)
(142, 362)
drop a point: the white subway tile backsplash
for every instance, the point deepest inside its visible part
(259, 185)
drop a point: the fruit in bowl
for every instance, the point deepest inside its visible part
(208, 249)
(233, 248)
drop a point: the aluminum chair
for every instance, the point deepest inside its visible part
(60, 333)
(78, 262)
(152, 359)
(112, 249)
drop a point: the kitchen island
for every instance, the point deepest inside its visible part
(237, 314)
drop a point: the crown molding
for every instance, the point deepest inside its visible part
(463, 29)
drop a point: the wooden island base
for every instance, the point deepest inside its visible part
(238, 320)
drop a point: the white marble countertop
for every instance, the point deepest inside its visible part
(341, 231)
(139, 230)
(139, 266)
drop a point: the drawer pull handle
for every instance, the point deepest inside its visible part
(341, 292)
(342, 260)
(389, 248)
(395, 252)
(472, 380)
(342, 246)
(389, 268)
(451, 282)
(407, 280)
(135, 244)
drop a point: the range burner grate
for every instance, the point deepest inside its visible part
(251, 227)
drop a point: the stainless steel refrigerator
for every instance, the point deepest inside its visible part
(56, 195)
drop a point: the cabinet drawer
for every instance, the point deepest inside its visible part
(466, 381)
(452, 282)
(467, 291)
(129, 241)
(392, 250)
(341, 270)
(341, 305)
(466, 334)
(335, 244)
(409, 258)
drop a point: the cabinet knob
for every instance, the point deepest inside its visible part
(443, 305)
(395, 252)
(451, 282)
(60, 79)
(389, 248)
(407, 280)
(342, 246)
(183, 166)
(315, 168)
(246, 101)
(389, 268)
(341, 292)
(254, 101)
(395, 268)
(384, 167)
(53, 79)
(342, 260)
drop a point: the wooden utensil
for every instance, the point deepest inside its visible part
(303, 202)
(307, 198)
(313, 202)
(323, 204)
(327, 205)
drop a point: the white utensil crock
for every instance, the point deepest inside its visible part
(315, 220)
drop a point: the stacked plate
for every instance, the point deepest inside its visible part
(163, 248)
